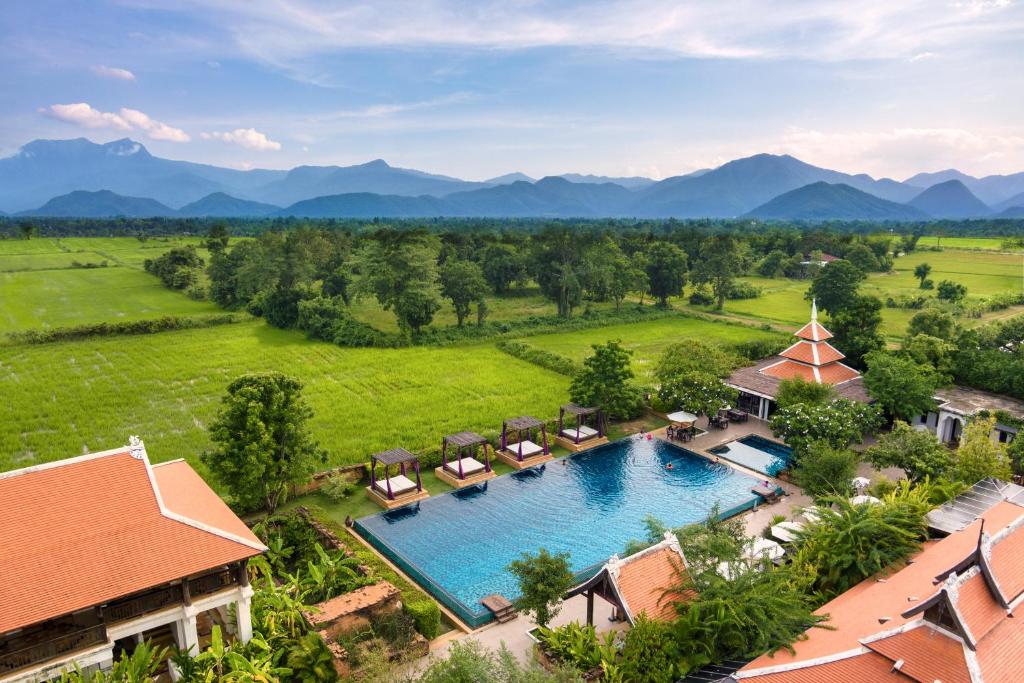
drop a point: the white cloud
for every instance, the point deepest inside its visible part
(249, 138)
(920, 56)
(113, 72)
(83, 114)
(901, 152)
(156, 130)
(282, 34)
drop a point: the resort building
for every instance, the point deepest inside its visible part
(949, 615)
(103, 551)
(810, 358)
(957, 405)
(649, 582)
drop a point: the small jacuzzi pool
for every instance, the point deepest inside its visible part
(756, 453)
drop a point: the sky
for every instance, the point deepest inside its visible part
(478, 89)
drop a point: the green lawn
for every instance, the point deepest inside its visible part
(68, 398)
(646, 339)
(59, 298)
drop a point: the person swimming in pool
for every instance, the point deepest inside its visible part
(668, 466)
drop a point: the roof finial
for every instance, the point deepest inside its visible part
(814, 310)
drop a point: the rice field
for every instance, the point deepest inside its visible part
(987, 243)
(645, 339)
(61, 298)
(65, 399)
(983, 273)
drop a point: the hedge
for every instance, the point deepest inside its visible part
(148, 326)
(545, 359)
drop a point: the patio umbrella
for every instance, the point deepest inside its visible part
(762, 547)
(682, 417)
(862, 500)
(860, 483)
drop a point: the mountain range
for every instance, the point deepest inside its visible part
(81, 178)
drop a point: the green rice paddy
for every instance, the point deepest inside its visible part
(68, 398)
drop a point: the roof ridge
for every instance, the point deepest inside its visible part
(140, 447)
(53, 464)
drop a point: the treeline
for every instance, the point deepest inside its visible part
(307, 278)
(17, 228)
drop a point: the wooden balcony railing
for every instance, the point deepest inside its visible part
(143, 604)
(213, 582)
(42, 652)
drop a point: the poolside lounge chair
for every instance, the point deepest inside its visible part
(469, 466)
(584, 432)
(763, 548)
(526, 447)
(786, 531)
(769, 493)
(400, 484)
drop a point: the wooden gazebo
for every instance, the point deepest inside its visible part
(464, 469)
(573, 431)
(524, 452)
(394, 491)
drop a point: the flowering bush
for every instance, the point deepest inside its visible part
(838, 424)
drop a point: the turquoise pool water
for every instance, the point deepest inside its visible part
(757, 453)
(458, 544)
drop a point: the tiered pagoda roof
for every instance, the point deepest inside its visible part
(811, 357)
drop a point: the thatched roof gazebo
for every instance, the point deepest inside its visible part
(394, 491)
(574, 433)
(523, 451)
(464, 469)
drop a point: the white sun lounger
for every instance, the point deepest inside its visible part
(469, 466)
(585, 432)
(529, 448)
(786, 531)
(399, 484)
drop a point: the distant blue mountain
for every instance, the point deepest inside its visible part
(824, 201)
(630, 182)
(950, 199)
(993, 190)
(223, 205)
(101, 204)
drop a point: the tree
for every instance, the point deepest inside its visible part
(627, 276)
(835, 286)
(933, 322)
(824, 471)
(649, 652)
(933, 352)
(700, 393)
(848, 543)
(463, 283)
(543, 580)
(666, 271)
(773, 264)
(798, 390)
(688, 375)
(28, 228)
(217, 237)
(921, 272)
(978, 457)
(855, 328)
(901, 386)
(951, 291)
(177, 268)
(399, 268)
(261, 440)
(556, 260)
(604, 382)
(719, 265)
(693, 355)
(838, 424)
(917, 452)
(502, 267)
(861, 256)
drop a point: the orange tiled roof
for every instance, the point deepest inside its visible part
(813, 353)
(645, 583)
(927, 654)
(835, 373)
(84, 531)
(867, 667)
(875, 607)
(813, 331)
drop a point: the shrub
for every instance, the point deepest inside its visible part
(649, 652)
(743, 290)
(545, 359)
(150, 326)
(701, 297)
(756, 349)
(337, 487)
(425, 614)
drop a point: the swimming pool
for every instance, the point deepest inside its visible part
(757, 453)
(458, 544)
